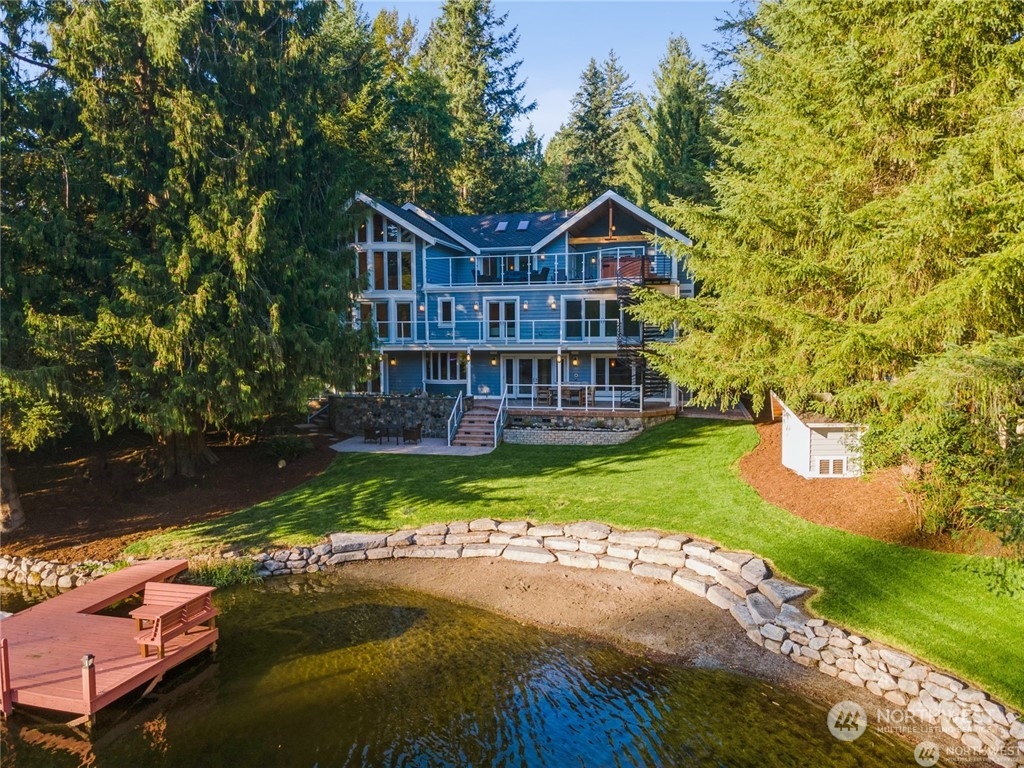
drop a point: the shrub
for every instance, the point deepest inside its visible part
(288, 447)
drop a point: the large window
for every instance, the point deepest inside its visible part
(391, 270)
(591, 319)
(611, 372)
(446, 366)
(501, 318)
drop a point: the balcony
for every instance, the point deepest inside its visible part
(600, 267)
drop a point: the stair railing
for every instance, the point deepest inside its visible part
(501, 417)
(455, 418)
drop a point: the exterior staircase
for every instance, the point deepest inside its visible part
(477, 426)
(634, 350)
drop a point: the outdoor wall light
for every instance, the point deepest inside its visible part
(494, 359)
(393, 362)
(575, 361)
(558, 358)
(472, 259)
(476, 307)
(422, 308)
(526, 305)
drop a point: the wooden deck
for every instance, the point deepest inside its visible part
(47, 642)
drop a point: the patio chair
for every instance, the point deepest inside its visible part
(372, 435)
(412, 434)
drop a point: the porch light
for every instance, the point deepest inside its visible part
(422, 308)
(526, 305)
(552, 303)
(494, 359)
(476, 307)
(392, 361)
(593, 260)
(558, 358)
(472, 259)
(575, 360)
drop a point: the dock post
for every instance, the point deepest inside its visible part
(5, 679)
(88, 679)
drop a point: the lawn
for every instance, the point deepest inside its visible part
(679, 477)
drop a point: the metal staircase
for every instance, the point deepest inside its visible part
(633, 350)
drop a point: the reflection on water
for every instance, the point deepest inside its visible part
(323, 671)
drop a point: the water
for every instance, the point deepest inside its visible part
(325, 671)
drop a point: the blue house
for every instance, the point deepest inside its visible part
(529, 307)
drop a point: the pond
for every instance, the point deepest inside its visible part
(324, 671)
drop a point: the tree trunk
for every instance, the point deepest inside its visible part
(184, 454)
(12, 516)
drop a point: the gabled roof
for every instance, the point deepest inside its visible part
(813, 418)
(415, 224)
(618, 199)
(486, 233)
(438, 223)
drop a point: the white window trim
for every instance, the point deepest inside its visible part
(486, 316)
(427, 372)
(441, 301)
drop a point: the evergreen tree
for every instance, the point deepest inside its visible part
(468, 51)
(555, 172)
(420, 129)
(595, 133)
(221, 204)
(668, 148)
(869, 240)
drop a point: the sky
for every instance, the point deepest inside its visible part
(557, 39)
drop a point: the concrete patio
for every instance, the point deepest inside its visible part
(428, 446)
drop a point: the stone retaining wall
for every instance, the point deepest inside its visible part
(349, 413)
(766, 608)
(44, 573)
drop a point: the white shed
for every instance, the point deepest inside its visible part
(817, 446)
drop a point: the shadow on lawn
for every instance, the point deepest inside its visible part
(366, 491)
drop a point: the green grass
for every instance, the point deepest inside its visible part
(679, 477)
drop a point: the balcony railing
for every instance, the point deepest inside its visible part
(575, 396)
(606, 266)
(575, 332)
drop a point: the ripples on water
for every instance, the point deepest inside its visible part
(323, 671)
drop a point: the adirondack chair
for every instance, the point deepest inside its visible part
(169, 610)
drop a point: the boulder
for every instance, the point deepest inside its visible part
(353, 542)
(577, 560)
(528, 554)
(779, 591)
(588, 530)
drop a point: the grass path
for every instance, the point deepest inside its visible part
(680, 477)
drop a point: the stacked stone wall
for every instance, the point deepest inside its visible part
(350, 413)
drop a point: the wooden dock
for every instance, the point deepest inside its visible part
(60, 655)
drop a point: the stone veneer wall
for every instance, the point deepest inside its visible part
(349, 413)
(568, 436)
(766, 608)
(578, 427)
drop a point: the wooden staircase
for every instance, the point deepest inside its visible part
(477, 426)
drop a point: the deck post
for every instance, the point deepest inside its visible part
(88, 679)
(5, 679)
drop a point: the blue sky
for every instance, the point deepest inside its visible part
(557, 39)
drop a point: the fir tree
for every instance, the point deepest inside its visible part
(869, 240)
(595, 132)
(668, 148)
(221, 208)
(467, 49)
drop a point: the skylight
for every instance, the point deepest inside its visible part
(523, 225)
(502, 226)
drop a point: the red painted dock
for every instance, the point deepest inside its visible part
(45, 646)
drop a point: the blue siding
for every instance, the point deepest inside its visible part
(486, 377)
(407, 374)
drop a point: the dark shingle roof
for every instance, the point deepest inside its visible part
(412, 219)
(482, 230)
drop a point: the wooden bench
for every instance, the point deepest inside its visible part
(169, 610)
